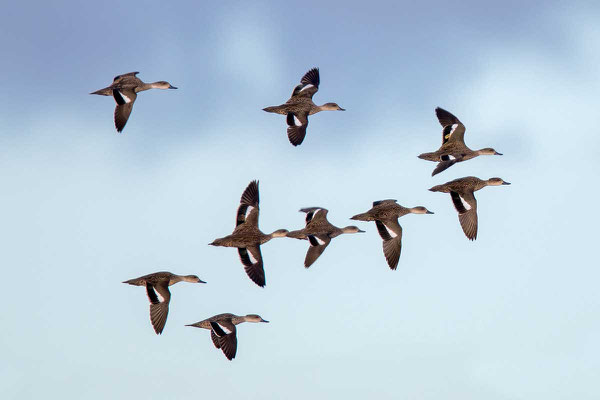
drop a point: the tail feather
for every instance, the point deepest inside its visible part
(275, 109)
(362, 217)
(429, 156)
(104, 92)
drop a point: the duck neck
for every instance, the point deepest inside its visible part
(148, 86)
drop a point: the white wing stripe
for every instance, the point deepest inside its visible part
(297, 121)
(225, 329)
(251, 257)
(160, 298)
(390, 232)
(464, 203)
(306, 87)
(321, 242)
(127, 99)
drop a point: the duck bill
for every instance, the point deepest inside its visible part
(264, 320)
(172, 87)
(506, 183)
(498, 154)
(429, 212)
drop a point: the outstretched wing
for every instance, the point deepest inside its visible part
(315, 214)
(120, 78)
(125, 99)
(453, 129)
(309, 84)
(297, 123)
(466, 205)
(253, 264)
(159, 297)
(391, 233)
(318, 244)
(248, 209)
(224, 335)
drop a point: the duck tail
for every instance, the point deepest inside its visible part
(274, 109)
(103, 92)
(217, 242)
(362, 217)
(437, 188)
(135, 282)
(429, 157)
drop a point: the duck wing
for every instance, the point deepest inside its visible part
(309, 84)
(318, 244)
(125, 99)
(159, 297)
(223, 334)
(466, 205)
(120, 78)
(453, 129)
(248, 209)
(251, 257)
(391, 233)
(297, 123)
(315, 214)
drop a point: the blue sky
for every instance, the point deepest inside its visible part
(513, 315)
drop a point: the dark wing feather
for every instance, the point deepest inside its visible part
(227, 342)
(124, 106)
(296, 131)
(316, 249)
(159, 310)
(392, 242)
(447, 120)
(466, 216)
(215, 339)
(255, 270)
(250, 198)
(388, 201)
(120, 77)
(444, 164)
(309, 84)
(315, 214)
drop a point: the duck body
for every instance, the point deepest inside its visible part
(223, 331)
(385, 213)
(247, 237)
(300, 105)
(124, 90)
(157, 288)
(319, 232)
(462, 193)
(453, 147)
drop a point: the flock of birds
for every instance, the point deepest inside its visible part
(318, 231)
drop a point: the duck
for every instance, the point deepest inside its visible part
(247, 237)
(319, 232)
(462, 193)
(223, 330)
(157, 288)
(385, 213)
(124, 90)
(453, 148)
(300, 106)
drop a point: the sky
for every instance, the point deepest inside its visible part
(512, 315)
